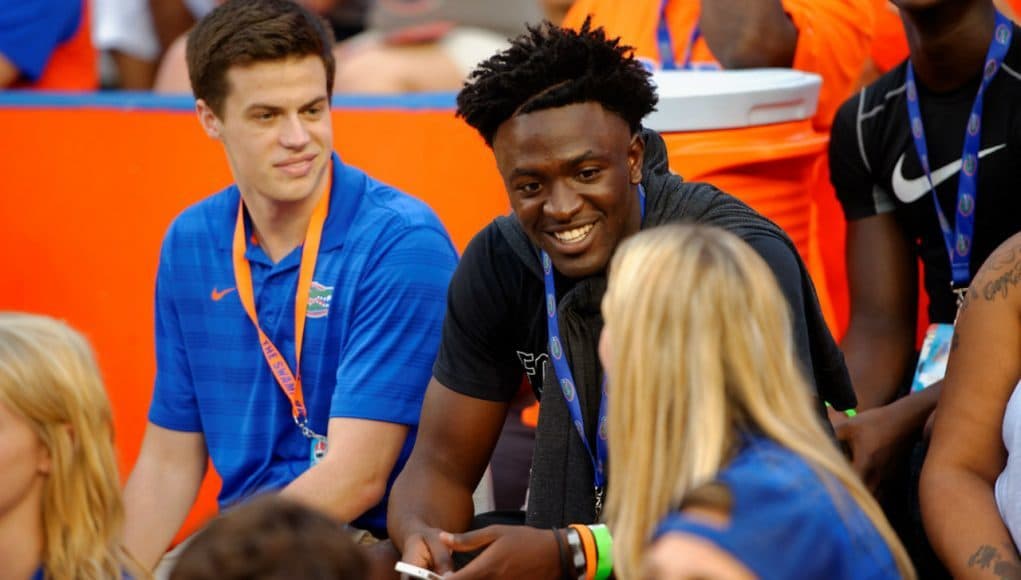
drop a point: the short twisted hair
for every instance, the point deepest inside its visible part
(548, 67)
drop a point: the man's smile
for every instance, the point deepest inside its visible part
(573, 236)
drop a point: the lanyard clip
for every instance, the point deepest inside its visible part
(303, 426)
(600, 491)
(961, 292)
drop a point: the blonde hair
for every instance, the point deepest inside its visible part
(49, 377)
(701, 350)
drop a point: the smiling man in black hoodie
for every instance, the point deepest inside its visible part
(562, 113)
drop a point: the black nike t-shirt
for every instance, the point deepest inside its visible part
(875, 169)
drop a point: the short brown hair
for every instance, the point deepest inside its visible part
(272, 538)
(242, 32)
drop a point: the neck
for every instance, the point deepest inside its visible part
(21, 538)
(949, 42)
(280, 227)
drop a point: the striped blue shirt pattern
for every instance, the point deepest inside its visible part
(371, 335)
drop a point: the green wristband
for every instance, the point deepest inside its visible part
(604, 551)
(849, 412)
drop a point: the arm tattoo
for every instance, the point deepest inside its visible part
(1002, 261)
(1005, 567)
(1001, 286)
(983, 557)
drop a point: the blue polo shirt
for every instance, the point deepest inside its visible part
(373, 327)
(788, 522)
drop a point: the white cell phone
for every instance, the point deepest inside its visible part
(413, 571)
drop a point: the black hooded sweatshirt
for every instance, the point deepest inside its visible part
(495, 329)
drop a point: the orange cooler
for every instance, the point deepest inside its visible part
(749, 132)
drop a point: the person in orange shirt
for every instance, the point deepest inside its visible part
(46, 45)
(890, 45)
(827, 37)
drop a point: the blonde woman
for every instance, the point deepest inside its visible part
(717, 454)
(60, 505)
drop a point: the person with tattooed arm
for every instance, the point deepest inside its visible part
(924, 162)
(972, 474)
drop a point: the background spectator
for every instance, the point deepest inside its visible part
(427, 45)
(827, 37)
(46, 45)
(890, 45)
(346, 18)
(880, 137)
(123, 31)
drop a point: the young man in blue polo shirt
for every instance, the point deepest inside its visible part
(298, 311)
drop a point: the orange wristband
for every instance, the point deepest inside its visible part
(589, 544)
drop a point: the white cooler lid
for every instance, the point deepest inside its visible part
(706, 100)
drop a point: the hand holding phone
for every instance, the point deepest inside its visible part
(413, 571)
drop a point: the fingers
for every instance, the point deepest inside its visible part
(836, 417)
(844, 430)
(483, 566)
(441, 554)
(425, 550)
(470, 541)
(416, 552)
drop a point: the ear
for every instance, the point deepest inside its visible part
(207, 118)
(635, 158)
(44, 463)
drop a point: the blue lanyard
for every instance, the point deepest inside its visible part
(665, 41)
(565, 378)
(665, 44)
(959, 240)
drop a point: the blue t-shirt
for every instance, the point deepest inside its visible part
(30, 30)
(372, 330)
(785, 522)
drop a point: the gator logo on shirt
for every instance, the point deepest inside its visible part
(319, 297)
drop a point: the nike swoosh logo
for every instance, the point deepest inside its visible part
(909, 190)
(218, 295)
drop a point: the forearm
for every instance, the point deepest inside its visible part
(914, 410)
(156, 502)
(8, 72)
(964, 525)
(422, 497)
(343, 493)
(877, 363)
(749, 33)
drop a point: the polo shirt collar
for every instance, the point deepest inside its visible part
(346, 191)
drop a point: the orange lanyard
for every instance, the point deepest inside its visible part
(288, 380)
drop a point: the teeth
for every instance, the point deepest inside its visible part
(575, 235)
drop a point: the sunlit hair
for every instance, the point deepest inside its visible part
(49, 378)
(239, 33)
(701, 352)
